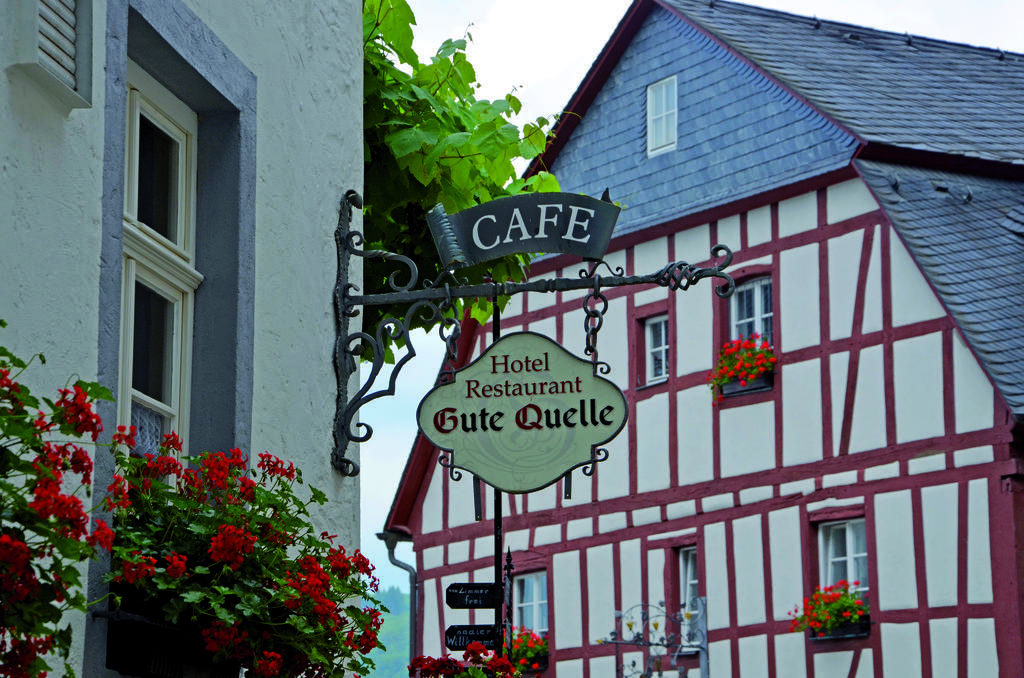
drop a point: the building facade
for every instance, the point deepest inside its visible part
(172, 174)
(868, 185)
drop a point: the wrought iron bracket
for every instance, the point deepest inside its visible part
(433, 302)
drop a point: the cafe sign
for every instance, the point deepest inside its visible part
(523, 414)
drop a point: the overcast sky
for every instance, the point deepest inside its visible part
(541, 50)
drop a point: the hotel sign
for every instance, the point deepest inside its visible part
(550, 223)
(523, 414)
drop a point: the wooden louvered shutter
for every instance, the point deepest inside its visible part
(57, 26)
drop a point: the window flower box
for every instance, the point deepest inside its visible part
(835, 612)
(538, 665)
(858, 629)
(763, 383)
(745, 365)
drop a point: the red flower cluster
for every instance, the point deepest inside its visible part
(741, 359)
(231, 544)
(269, 665)
(829, 608)
(175, 565)
(102, 536)
(222, 637)
(134, 570)
(274, 466)
(18, 580)
(476, 655)
(75, 409)
(18, 653)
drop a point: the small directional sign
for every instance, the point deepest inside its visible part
(467, 596)
(459, 637)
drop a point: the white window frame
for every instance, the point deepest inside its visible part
(826, 535)
(761, 317)
(653, 350)
(662, 116)
(688, 577)
(165, 265)
(539, 581)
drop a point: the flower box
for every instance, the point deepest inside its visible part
(763, 383)
(541, 660)
(858, 629)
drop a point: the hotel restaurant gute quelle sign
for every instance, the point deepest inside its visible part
(523, 414)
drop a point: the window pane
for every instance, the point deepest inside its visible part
(151, 343)
(744, 329)
(766, 297)
(744, 304)
(542, 618)
(860, 544)
(525, 585)
(838, 571)
(158, 179)
(860, 571)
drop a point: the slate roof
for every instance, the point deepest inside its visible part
(886, 88)
(967, 234)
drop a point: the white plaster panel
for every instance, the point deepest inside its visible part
(982, 660)
(611, 522)
(798, 214)
(866, 668)
(837, 479)
(458, 552)
(452, 616)
(655, 575)
(519, 540)
(694, 244)
(431, 622)
(673, 533)
(939, 516)
(681, 509)
(600, 591)
(785, 551)
(630, 573)
(613, 473)
(805, 486)
(912, 298)
(729, 232)
(483, 547)
(799, 305)
(973, 395)
(694, 446)
(433, 557)
(843, 271)
(720, 659)
(574, 340)
(513, 308)
(568, 599)
(752, 495)
(849, 199)
(943, 650)
(572, 668)
(543, 500)
(839, 365)
(901, 650)
(894, 539)
(612, 346)
(917, 375)
(694, 319)
(882, 471)
(577, 529)
(754, 657)
(833, 664)
(650, 256)
(582, 489)
(872, 321)
(973, 455)
(652, 443)
(538, 300)
(790, 661)
(433, 507)
(717, 584)
(834, 501)
(801, 412)
(868, 430)
(547, 327)
(979, 560)
(647, 516)
(933, 460)
(717, 502)
(460, 501)
(547, 534)
(748, 558)
(759, 226)
(602, 667)
(747, 438)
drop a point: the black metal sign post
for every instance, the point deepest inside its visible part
(562, 223)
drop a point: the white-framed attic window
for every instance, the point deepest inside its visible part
(530, 602)
(662, 104)
(656, 349)
(160, 279)
(844, 553)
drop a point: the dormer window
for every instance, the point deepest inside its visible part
(661, 116)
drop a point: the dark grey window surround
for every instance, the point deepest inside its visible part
(174, 46)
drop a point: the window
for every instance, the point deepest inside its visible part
(688, 578)
(159, 274)
(751, 310)
(661, 116)
(530, 602)
(843, 549)
(656, 348)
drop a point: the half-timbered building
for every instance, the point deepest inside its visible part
(871, 187)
